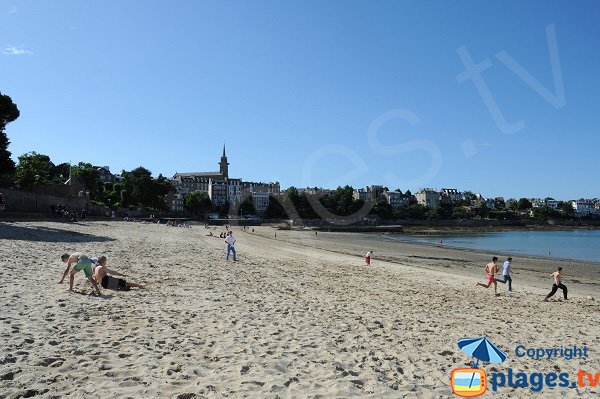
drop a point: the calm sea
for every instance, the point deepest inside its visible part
(568, 244)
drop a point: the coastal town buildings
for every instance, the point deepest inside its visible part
(104, 175)
(451, 195)
(584, 207)
(396, 199)
(369, 194)
(551, 203)
(223, 189)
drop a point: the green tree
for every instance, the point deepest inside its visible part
(383, 210)
(60, 173)
(434, 213)
(140, 189)
(523, 204)
(566, 209)
(544, 212)
(341, 202)
(416, 211)
(275, 210)
(247, 207)
(111, 194)
(89, 177)
(223, 209)
(459, 212)
(32, 170)
(8, 113)
(197, 202)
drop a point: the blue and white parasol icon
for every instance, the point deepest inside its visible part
(481, 349)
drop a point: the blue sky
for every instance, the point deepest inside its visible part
(314, 93)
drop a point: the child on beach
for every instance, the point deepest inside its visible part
(368, 258)
(491, 269)
(81, 262)
(101, 272)
(557, 275)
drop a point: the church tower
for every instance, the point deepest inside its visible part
(224, 165)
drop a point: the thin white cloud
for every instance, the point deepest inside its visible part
(12, 10)
(12, 50)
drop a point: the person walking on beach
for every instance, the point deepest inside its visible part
(491, 269)
(557, 275)
(81, 262)
(101, 273)
(368, 258)
(230, 240)
(506, 273)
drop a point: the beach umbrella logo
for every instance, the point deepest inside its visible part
(471, 382)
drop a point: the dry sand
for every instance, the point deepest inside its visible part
(298, 316)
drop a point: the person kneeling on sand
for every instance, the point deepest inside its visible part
(81, 262)
(491, 269)
(101, 272)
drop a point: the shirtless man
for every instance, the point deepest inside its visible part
(81, 262)
(491, 269)
(101, 272)
(557, 284)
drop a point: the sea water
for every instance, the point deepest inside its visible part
(567, 244)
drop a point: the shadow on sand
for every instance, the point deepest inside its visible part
(9, 231)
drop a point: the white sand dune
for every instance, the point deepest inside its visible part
(298, 316)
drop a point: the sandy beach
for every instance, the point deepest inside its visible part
(298, 316)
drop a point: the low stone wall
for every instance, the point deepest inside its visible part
(32, 202)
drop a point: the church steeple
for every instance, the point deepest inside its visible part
(224, 165)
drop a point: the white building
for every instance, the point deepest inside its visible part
(552, 204)
(428, 197)
(583, 207)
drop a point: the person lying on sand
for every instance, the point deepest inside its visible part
(101, 272)
(81, 262)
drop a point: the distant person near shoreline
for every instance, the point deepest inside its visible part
(491, 269)
(506, 273)
(557, 275)
(368, 258)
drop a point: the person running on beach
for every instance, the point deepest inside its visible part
(230, 240)
(81, 262)
(368, 258)
(491, 269)
(506, 273)
(557, 275)
(101, 272)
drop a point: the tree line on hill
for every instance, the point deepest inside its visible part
(341, 203)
